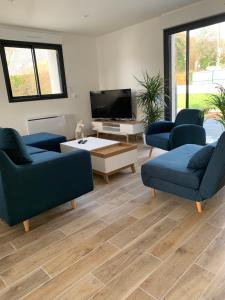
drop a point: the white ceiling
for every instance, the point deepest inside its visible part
(91, 17)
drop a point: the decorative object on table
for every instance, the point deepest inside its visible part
(217, 102)
(151, 97)
(79, 131)
(187, 129)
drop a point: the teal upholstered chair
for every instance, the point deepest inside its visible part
(33, 180)
(187, 129)
(190, 171)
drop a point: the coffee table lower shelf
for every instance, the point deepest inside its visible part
(112, 159)
(106, 175)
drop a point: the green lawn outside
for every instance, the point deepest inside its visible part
(195, 101)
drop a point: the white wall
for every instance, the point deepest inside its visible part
(137, 48)
(129, 52)
(80, 60)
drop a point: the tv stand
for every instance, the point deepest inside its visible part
(118, 127)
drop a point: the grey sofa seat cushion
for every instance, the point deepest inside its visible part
(159, 140)
(172, 167)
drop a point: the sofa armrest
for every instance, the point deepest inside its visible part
(36, 187)
(187, 134)
(159, 127)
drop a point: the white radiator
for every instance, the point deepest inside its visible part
(53, 124)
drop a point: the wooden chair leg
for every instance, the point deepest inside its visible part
(199, 206)
(133, 168)
(153, 192)
(106, 177)
(73, 204)
(26, 225)
(150, 151)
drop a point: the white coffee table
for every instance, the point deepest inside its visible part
(91, 144)
(107, 156)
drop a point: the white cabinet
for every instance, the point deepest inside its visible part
(125, 128)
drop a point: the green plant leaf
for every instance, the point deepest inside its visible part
(150, 98)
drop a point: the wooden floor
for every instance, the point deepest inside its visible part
(118, 244)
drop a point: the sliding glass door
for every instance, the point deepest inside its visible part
(194, 66)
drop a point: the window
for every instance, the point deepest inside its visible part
(33, 71)
(194, 63)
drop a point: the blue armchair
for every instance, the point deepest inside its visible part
(187, 129)
(47, 180)
(172, 172)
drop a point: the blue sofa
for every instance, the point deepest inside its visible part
(46, 180)
(187, 129)
(171, 172)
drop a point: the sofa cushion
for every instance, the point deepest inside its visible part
(45, 156)
(33, 150)
(44, 140)
(12, 144)
(201, 158)
(159, 140)
(172, 167)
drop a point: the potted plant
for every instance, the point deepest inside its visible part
(151, 97)
(217, 102)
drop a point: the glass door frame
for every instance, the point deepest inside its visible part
(167, 40)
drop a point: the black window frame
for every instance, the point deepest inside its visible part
(167, 33)
(33, 46)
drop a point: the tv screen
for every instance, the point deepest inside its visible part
(112, 104)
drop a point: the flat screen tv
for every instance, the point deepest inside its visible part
(111, 104)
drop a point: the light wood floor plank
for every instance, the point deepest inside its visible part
(67, 257)
(5, 250)
(24, 286)
(182, 211)
(84, 290)
(136, 192)
(96, 214)
(127, 281)
(33, 262)
(12, 234)
(74, 273)
(216, 290)
(191, 285)
(126, 208)
(40, 231)
(171, 269)
(143, 210)
(139, 294)
(89, 218)
(211, 259)
(179, 234)
(12, 259)
(129, 234)
(131, 185)
(129, 254)
(218, 219)
(2, 285)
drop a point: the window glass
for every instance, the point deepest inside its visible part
(21, 71)
(48, 71)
